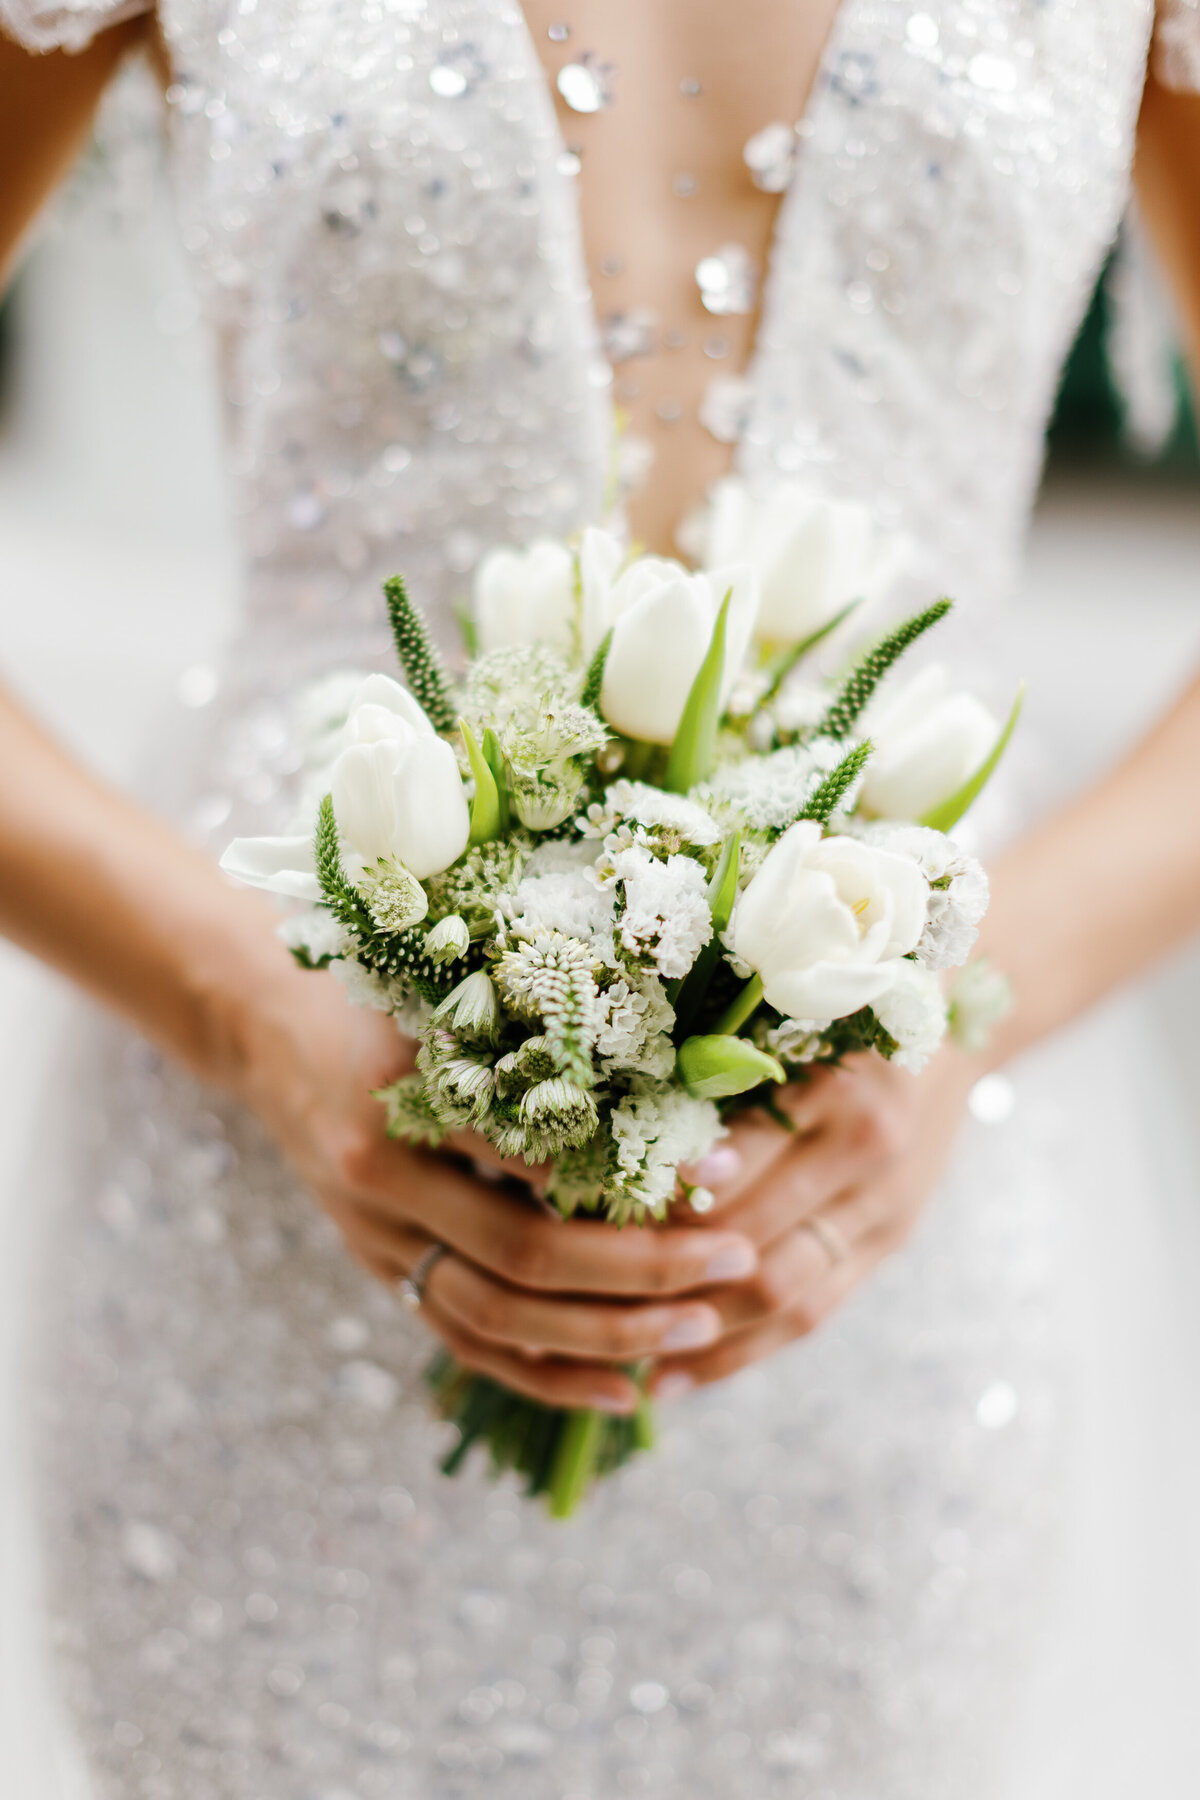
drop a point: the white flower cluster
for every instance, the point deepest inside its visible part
(666, 914)
(667, 821)
(656, 1127)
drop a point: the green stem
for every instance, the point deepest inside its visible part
(574, 1461)
(739, 1008)
(643, 1425)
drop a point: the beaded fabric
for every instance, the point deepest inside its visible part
(826, 1582)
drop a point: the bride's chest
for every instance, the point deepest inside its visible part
(358, 120)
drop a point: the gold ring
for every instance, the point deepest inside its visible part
(829, 1237)
(412, 1288)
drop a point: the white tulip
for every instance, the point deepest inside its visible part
(826, 922)
(397, 795)
(927, 742)
(813, 556)
(526, 597)
(283, 865)
(662, 621)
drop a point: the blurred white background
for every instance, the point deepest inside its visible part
(117, 579)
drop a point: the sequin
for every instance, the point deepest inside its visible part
(728, 280)
(770, 156)
(585, 85)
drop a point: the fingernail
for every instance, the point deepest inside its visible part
(673, 1386)
(605, 1401)
(731, 1263)
(721, 1165)
(690, 1332)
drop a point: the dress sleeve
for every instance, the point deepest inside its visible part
(65, 24)
(1175, 55)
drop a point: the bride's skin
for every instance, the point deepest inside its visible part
(105, 893)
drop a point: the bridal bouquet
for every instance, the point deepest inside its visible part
(627, 873)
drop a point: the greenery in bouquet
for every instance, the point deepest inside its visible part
(629, 871)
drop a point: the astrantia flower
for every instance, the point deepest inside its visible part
(395, 898)
(471, 1007)
(448, 939)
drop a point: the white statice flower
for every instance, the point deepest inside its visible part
(655, 1127)
(635, 1022)
(564, 899)
(799, 706)
(913, 1011)
(794, 1040)
(958, 887)
(667, 915)
(671, 820)
(981, 996)
(316, 932)
(365, 988)
(768, 792)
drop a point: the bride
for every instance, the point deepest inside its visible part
(440, 243)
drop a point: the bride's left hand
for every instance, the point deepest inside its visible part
(825, 1202)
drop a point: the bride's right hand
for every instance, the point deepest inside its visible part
(545, 1307)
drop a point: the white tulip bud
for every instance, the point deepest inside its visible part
(927, 742)
(526, 597)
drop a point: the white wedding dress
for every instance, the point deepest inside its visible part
(842, 1575)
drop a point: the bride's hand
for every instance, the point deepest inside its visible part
(544, 1307)
(824, 1202)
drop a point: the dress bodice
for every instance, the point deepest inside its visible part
(385, 229)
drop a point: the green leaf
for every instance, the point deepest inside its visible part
(870, 670)
(485, 807)
(593, 681)
(420, 661)
(780, 666)
(711, 1068)
(466, 624)
(496, 761)
(945, 816)
(688, 995)
(694, 749)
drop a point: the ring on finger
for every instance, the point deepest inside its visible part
(831, 1240)
(412, 1288)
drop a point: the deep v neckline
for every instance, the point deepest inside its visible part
(748, 372)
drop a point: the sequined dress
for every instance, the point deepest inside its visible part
(830, 1581)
